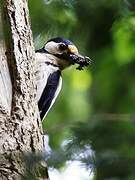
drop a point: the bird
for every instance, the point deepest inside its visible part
(56, 55)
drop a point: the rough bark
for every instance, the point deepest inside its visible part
(5, 81)
(20, 126)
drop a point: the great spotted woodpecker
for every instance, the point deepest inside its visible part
(56, 55)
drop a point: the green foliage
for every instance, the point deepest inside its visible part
(105, 31)
(124, 41)
(112, 139)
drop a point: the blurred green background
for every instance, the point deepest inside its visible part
(96, 106)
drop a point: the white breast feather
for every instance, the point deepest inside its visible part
(42, 73)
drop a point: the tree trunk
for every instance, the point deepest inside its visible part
(20, 125)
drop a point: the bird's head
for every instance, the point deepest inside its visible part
(66, 53)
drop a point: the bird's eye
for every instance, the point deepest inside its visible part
(62, 47)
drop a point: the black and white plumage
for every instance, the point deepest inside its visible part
(55, 56)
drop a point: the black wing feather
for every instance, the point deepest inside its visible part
(48, 93)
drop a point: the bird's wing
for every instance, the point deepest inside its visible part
(50, 93)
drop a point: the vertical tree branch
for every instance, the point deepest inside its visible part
(24, 107)
(20, 131)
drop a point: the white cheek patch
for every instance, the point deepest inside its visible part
(52, 47)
